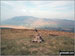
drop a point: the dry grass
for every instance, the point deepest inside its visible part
(18, 42)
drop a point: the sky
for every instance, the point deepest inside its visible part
(40, 9)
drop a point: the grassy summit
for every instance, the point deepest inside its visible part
(19, 42)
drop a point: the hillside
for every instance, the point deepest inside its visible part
(41, 23)
(19, 42)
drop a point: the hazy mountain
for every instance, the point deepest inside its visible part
(19, 20)
(60, 25)
(45, 23)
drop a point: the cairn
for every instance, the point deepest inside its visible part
(37, 37)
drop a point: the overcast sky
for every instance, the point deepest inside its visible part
(41, 9)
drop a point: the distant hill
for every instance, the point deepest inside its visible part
(41, 23)
(19, 21)
(61, 25)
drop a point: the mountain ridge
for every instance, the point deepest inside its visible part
(41, 23)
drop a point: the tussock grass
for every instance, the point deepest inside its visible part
(19, 42)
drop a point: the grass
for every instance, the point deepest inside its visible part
(19, 42)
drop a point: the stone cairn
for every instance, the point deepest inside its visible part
(37, 37)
